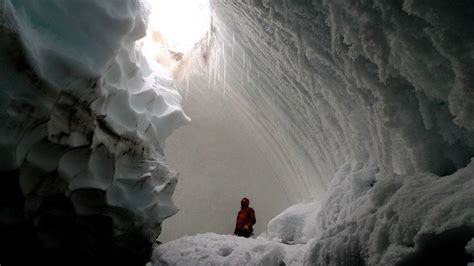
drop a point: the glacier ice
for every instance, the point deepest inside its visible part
(365, 107)
(85, 117)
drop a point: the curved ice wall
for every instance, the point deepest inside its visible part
(388, 84)
(366, 105)
(84, 118)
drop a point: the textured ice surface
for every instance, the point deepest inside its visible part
(84, 120)
(396, 219)
(368, 106)
(373, 81)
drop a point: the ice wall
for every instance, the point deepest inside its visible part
(385, 83)
(84, 119)
(368, 106)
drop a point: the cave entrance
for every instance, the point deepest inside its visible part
(174, 28)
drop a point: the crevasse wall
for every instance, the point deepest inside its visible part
(387, 83)
(84, 119)
(368, 106)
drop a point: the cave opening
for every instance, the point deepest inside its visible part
(174, 28)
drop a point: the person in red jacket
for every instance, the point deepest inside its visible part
(245, 219)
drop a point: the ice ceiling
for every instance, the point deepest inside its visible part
(362, 109)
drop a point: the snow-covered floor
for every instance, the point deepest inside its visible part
(214, 249)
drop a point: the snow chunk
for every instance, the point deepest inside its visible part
(295, 224)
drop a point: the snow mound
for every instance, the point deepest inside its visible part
(419, 219)
(295, 224)
(470, 250)
(85, 117)
(214, 249)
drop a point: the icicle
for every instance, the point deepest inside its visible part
(187, 87)
(259, 84)
(209, 75)
(256, 111)
(223, 57)
(210, 69)
(223, 49)
(243, 58)
(233, 43)
(216, 72)
(208, 38)
(225, 66)
(225, 69)
(248, 75)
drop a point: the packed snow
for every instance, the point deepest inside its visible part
(214, 249)
(295, 225)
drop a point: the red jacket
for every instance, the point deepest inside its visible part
(246, 216)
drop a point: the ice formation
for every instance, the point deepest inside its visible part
(84, 119)
(367, 105)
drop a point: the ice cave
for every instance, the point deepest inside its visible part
(131, 129)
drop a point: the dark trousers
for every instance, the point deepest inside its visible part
(243, 232)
